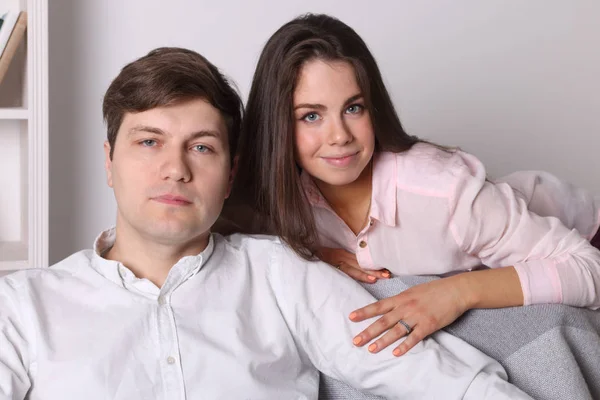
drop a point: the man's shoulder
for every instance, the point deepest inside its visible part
(267, 250)
(245, 243)
(68, 267)
(74, 261)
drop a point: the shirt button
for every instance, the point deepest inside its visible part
(362, 244)
(371, 223)
(161, 300)
(170, 360)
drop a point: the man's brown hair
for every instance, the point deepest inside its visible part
(167, 76)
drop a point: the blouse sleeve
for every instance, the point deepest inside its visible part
(488, 220)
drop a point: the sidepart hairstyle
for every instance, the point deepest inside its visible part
(168, 76)
(268, 175)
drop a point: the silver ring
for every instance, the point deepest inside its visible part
(406, 326)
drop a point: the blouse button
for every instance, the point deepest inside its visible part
(362, 244)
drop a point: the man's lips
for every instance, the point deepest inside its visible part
(172, 200)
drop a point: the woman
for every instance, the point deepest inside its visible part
(326, 163)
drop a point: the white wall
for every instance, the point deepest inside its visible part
(513, 81)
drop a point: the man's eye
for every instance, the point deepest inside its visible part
(149, 143)
(200, 148)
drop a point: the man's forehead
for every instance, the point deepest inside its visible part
(191, 119)
(144, 129)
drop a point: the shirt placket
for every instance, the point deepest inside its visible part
(170, 354)
(170, 360)
(362, 247)
(166, 342)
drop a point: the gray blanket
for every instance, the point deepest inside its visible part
(552, 352)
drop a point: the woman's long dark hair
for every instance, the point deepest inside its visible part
(268, 177)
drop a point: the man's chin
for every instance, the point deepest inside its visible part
(176, 235)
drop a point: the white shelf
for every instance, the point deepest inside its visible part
(24, 128)
(13, 256)
(14, 113)
(13, 251)
(6, 267)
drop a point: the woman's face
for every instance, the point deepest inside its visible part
(334, 139)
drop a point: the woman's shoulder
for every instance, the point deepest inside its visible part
(435, 170)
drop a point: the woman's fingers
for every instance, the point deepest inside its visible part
(379, 273)
(395, 333)
(411, 341)
(346, 262)
(387, 321)
(380, 307)
(356, 273)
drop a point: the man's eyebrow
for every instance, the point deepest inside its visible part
(321, 107)
(204, 133)
(145, 128)
(157, 131)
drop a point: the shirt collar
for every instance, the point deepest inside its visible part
(384, 191)
(116, 272)
(313, 194)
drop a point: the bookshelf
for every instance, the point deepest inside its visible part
(13, 113)
(24, 146)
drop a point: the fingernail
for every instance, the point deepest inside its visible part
(372, 278)
(386, 274)
(396, 352)
(357, 340)
(372, 347)
(353, 315)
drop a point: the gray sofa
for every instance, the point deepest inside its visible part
(552, 352)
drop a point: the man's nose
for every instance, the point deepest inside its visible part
(175, 166)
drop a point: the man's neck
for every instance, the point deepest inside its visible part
(149, 259)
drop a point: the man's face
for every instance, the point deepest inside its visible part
(170, 172)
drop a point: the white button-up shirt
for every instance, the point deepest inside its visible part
(245, 319)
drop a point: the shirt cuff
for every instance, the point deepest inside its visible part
(540, 282)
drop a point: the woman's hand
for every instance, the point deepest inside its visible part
(426, 308)
(347, 263)
(431, 306)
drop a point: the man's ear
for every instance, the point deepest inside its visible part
(232, 174)
(108, 164)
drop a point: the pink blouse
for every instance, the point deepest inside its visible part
(433, 213)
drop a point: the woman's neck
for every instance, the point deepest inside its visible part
(351, 202)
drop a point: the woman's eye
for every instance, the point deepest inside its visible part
(200, 148)
(354, 109)
(312, 117)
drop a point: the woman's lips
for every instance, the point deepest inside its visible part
(341, 161)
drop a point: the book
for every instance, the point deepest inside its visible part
(8, 20)
(15, 37)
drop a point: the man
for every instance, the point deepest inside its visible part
(162, 309)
